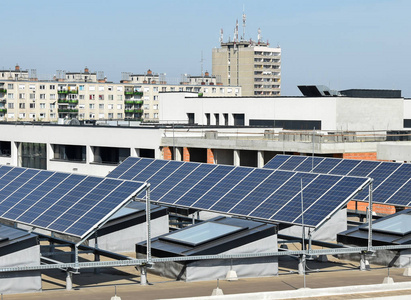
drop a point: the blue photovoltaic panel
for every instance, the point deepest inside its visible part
(282, 195)
(402, 195)
(204, 185)
(228, 201)
(257, 196)
(292, 163)
(123, 167)
(150, 170)
(276, 161)
(364, 168)
(256, 193)
(387, 188)
(326, 165)
(221, 188)
(173, 179)
(345, 166)
(309, 164)
(4, 170)
(135, 169)
(66, 203)
(187, 183)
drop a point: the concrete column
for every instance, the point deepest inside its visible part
(134, 152)
(49, 154)
(178, 154)
(69, 281)
(15, 153)
(260, 159)
(89, 154)
(143, 275)
(236, 157)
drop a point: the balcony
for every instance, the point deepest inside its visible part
(133, 111)
(3, 110)
(68, 101)
(65, 110)
(133, 102)
(62, 92)
(135, 93)
(3, 90)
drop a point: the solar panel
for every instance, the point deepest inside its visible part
(250, 192)
(390, 179)
(66, 203)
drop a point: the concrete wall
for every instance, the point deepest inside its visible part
(21, 282)
(93, 136)
(125, 240)
(335, 113)
(398, 151)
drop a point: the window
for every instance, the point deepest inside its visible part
(10, 105)
(155, 106)
(92, 97)
(120, 97)
(42, 87)
(92, 116)
(155, 98)
(110, 97)
(146, 106)
(222, 90)
(155, 115)
(110, 88)
(32, 96)
(101, 106)
(205, 90)
(52, 96)
(22, 96)
(119, 106)
(146, 116)
(10, 86)
(22, 115)
(101, 116)
(52, 116)
(172, 89)
(189, 89)
(110, 115)
(100, 97)
(101, 88)
(119, 89)
(10, 116)
(164, 89)
(81, 97)
(42, 96)
(22, 105)
(119, 116)
(81, 106)
(213, 90)
(32, 115)
(43, 105)
(229, 90)
(10, 96)
(22, 86)
(42, 115)
(81, 87)
(180, 89)
(237, 91)
(110, 106)
(91, 88)
(146, 89)
(52, 87)
(91, 106)
(32, 105)
(52, 105)
(32, 86)
(155, 89)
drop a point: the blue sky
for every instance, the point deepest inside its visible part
(342, 44)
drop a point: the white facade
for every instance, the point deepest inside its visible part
(335, 113)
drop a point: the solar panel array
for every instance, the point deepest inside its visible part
(257, 193)
(392, 181)
(67, 203)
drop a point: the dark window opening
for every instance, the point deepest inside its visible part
(217, 119)
(198, 155)
(225, 119)
(239, 119)
(288, 124)
(70, 152)
(208, 119)
(149, 153)
(191, 119)
(5, 149)
(33, 155)
(110, 155)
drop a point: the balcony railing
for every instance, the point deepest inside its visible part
(68, 101)
(133, 111)
(3, 110)
(64, 110)
(136, 93)
(133, 102)
(67, 92)
(2, 90)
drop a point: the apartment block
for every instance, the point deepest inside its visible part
(87, 96)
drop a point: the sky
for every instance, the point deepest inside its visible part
(342, 44)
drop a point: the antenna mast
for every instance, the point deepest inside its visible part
(244, 18)
(221, 35)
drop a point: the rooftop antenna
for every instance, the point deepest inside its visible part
(221, 35)
(244, 18)
(201, 61)
(236, 31)
(259, 35)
